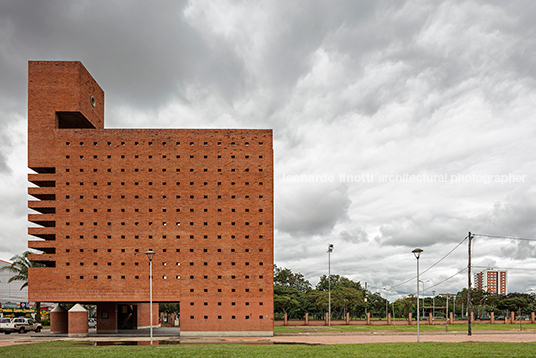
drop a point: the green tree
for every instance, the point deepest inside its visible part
(376, 303)
(337, 282)
(169, 307)
(478, 296)
(513, 304)
(19, 269)
(346, 295)
(405, 305)
(285, 277)
(290, 300)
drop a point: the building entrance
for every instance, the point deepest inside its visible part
(127, 316)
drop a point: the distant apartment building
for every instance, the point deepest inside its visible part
(490, 280)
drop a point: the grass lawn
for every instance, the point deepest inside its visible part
(404, 328)
(422, 350)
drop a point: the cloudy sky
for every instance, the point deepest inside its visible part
(392, 120)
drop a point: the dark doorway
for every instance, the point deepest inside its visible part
(127, 316)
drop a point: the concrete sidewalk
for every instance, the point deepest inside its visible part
(170, 336)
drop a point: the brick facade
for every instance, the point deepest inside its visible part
(202, 199)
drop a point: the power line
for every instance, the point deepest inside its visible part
(445, 280)
(508, 268)
(505, 237)
(414, 277)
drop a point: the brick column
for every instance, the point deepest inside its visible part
(430, 318)
(389, 318)
(368, 318)
(347, 317)
(492, 317)
(307, 319)
(144, 311)
(532, 317)
(409, 319)
(78, 321)
(107, 317)
(472, 316)
(512, 317)
(286, 318)
(451, 317)
(59, 320)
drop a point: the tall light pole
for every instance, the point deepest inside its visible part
(366, 316)
(433, 304)
(150, 255)
(417, 253)
(330, 249)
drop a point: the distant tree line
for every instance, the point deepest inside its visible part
(295, 295)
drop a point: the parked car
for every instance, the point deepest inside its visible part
(3, 322)
(92, 323)
(20, 325)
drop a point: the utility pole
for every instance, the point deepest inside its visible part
(447, 320)
(386, 303)
(447, 295)
(469, 333)
(393, 308)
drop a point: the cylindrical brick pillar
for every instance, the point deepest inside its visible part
(451, 318)
(430, 318)
(492, 317)
(409, 319)
(512, 317)
(389, 318)
(347, 317)
(78, 321)
(532, 317)
(59, 320)
(368, 318)
(306, 319)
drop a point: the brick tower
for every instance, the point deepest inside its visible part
(202, 199)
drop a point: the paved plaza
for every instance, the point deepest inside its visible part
(171, 336)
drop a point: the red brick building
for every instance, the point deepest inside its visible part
(202, 199)
(491, 280)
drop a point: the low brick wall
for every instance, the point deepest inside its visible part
(410, 320)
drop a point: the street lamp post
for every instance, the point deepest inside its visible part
(330, 249)
(150, 255)
(417, 253)
(433, 304)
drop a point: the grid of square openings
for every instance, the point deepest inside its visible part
(170, 184)
(170, 267)
(138, 170)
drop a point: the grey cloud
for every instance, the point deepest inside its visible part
(143, 54)
(422, 231)
(347, 87)
(354, 235)
(313, 208)
(514, 217)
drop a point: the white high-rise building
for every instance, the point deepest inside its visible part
(491, 280)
